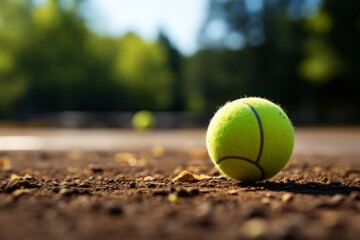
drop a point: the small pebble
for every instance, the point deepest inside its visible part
(120, 177)
(289, 181)
(255, 228)
(85, 185)
(354, 195)
(233, 192)
(269, 195)
(337, 199)
(357, 180)
(20, 192)
(100, 177)
(132, 185)
(265, 200)
(56, 189)
(287, 197)
(68, 192)
(20, 184)
(27, 177)
(110, 181)
(149, 179)
(334, 202)
(151, 185)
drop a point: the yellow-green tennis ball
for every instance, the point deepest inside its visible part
(143, 120)
(250, 139)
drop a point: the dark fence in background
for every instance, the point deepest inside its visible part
(72, 119)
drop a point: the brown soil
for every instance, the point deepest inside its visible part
(118, 195)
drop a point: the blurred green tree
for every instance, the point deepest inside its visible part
(331, 61)
(175, 64)
(14, 31)
(62, 67)
(249, 48)
(56, 63)
(302, 54)
(142, 69)
(289, 51)
(50, 61)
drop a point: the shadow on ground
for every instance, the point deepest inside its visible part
(312, 188)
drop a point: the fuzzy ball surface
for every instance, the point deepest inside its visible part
(250, 139)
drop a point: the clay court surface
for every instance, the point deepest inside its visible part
(119, 184)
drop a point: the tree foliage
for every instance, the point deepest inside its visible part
(50, 61)
(142, 69)
(14, 30)
(305, 57)
(260, 61)
(287, 51)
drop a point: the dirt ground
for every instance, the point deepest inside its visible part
(132, 194)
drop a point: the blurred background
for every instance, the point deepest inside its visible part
(95, 63)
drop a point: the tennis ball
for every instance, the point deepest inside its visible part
(143, 120)
(250, 139)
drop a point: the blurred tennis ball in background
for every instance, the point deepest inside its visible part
(250, 139)
(143, 120)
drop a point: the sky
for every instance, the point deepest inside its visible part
(180, 19)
